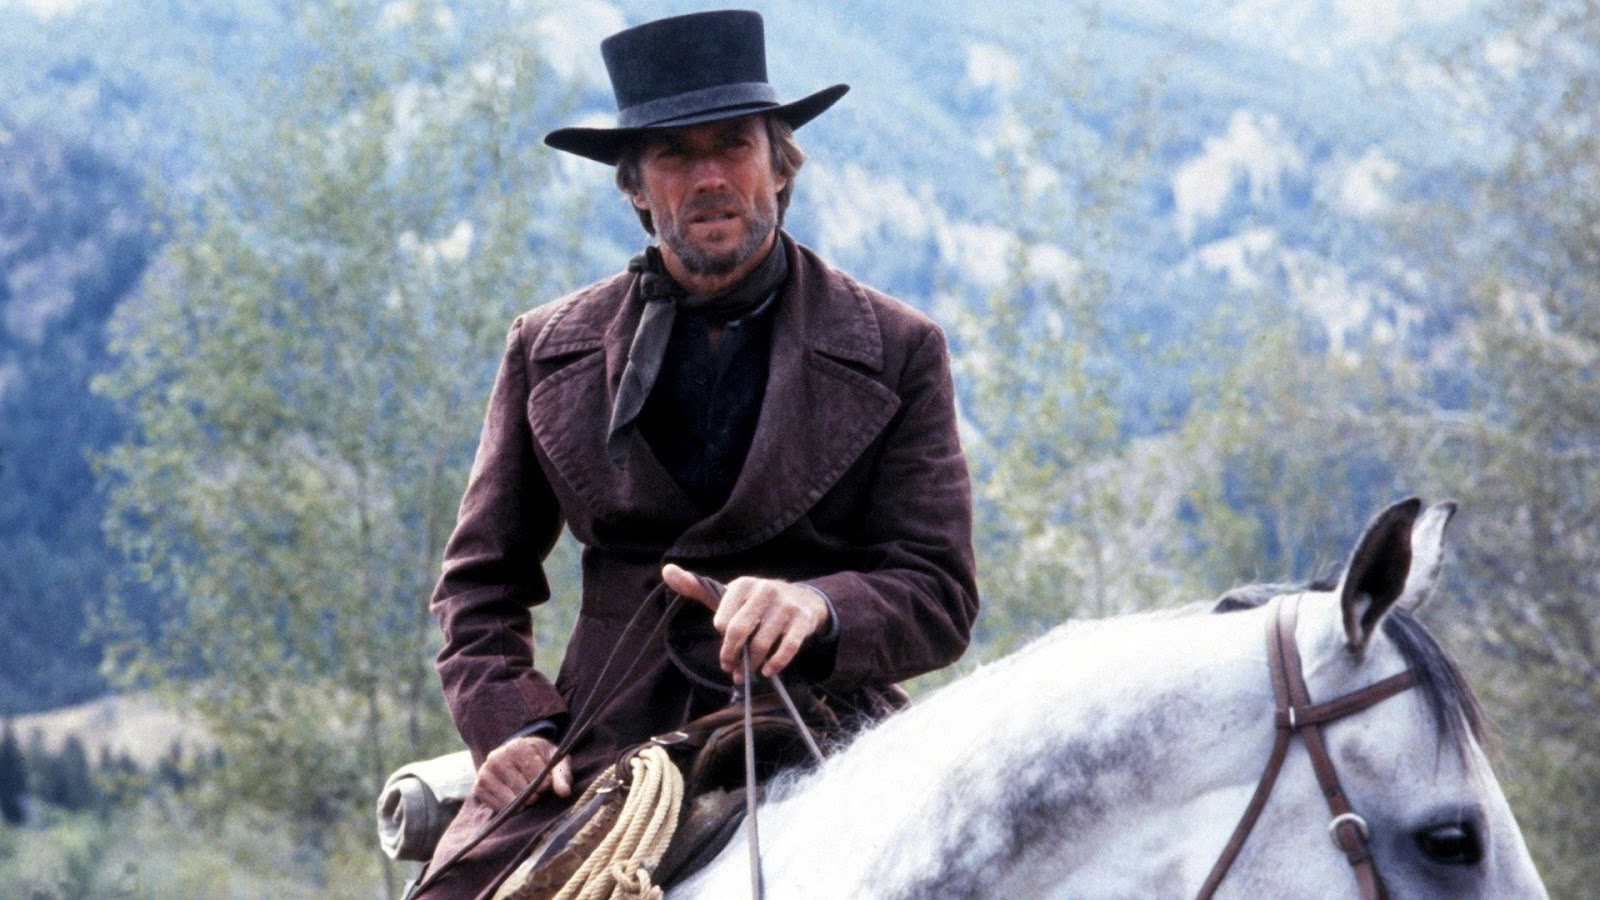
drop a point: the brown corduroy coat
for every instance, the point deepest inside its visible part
(855, 483)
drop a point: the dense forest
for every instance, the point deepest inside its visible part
(74, 241)
(1215, 294)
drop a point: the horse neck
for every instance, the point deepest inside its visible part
(1025, 765)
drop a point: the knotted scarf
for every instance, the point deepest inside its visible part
(663, 299)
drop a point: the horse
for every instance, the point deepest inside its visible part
(1118, 758)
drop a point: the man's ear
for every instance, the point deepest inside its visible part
(638, 201)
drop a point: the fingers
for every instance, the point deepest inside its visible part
(788, 647)
(561, 778)
(686, 583)
(511, 767)
(773, 617)
(491, 789)
(748, 615)
(734, 601)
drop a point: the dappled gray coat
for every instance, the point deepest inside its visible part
(855, 482)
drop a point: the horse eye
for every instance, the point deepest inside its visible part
(1455, 844)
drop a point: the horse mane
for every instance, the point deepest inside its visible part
(1457, 716)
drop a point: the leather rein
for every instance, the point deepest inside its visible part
(1297, 715)
(591, 710)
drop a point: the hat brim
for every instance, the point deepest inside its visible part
(605, 145)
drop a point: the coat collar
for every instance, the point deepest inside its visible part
(834, 315)
(821, 409)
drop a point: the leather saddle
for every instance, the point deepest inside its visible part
(709, 751)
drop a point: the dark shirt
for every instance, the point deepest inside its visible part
(701, 415)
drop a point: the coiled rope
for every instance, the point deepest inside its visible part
(620, 867)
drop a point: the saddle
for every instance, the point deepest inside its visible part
(709, 754)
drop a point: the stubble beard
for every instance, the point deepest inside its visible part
(760, 220)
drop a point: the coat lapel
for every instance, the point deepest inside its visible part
(586, 345)
(820, 411)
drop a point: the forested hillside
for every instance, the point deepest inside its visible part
(74, 241)
(1219, 279)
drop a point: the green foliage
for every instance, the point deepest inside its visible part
(161, 849)
(120, 781)
(1262, 470)
(1520, 442)
(62, 779)
(13, 777)
(62, 859)
(1065, 501)
(66, 780)
(1285, 445)
(302, 374)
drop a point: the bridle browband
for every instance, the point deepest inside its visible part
(1296, 714)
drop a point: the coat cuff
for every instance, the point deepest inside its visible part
(500, 711)
(860, 649)
(816, 658)
(545, 728)
(832, 636)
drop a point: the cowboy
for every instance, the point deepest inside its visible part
(730, 407)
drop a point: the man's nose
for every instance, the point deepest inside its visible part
(709, 174)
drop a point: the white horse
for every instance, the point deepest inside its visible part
(1114, 759)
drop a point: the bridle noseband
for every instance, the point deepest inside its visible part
(1296, 714)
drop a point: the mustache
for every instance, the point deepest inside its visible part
(722, 201)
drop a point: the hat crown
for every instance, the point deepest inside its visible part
(683, 71)
(682, 55)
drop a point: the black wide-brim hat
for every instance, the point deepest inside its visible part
(687, 70)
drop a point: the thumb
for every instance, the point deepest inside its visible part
(689, 585)
(561, 778)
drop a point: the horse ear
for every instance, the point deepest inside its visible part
(1427, 555)
(1378, 571)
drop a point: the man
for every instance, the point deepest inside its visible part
(729, 406)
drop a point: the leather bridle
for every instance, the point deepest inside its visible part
(1296, 714)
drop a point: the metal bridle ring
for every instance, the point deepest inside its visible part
(1352, 818)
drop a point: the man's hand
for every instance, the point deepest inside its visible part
(513, 764)
(774, 617)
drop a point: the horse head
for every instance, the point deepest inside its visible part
(1422, 799)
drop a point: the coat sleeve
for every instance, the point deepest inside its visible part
(911, 609)
(493, 574)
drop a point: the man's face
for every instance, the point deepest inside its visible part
(711, 193)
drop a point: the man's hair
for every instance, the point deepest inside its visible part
(787, 158)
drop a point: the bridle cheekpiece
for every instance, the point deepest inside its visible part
(1297, 715)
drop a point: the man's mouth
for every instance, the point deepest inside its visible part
(711, 217)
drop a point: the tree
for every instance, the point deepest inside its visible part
(1076, 505)
(1286, 445)
(1115, 472)
(13, 777)
(172, 770)
(73, 241)
(65, 779)
(118, 779)
(1517, 436)
(301, 376)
